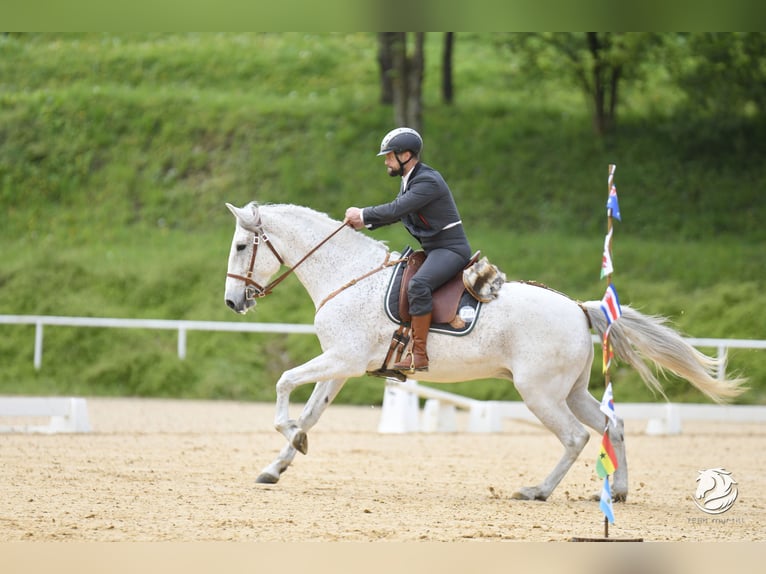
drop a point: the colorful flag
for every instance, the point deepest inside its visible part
(607, 403)
(606, 259)
(606, 463)
(610, 304)
(605, 504)
(613, 204)
(607, 352)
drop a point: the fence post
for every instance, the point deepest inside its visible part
(721, 363)
(38, 360)
(181, 343)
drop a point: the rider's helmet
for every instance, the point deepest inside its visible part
(401, 140)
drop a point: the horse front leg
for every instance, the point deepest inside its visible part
(323, 394)
(325, 367)
(328, 368)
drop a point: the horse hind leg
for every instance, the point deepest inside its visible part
(587, 409)
(555, 414)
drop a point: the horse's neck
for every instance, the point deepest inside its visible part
(295, 231)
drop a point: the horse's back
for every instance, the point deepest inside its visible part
(531, 318)
(534, 303)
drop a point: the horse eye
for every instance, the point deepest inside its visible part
(241, 247)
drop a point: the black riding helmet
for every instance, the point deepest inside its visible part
(401, 140)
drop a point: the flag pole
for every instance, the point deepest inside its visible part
(609, 228)
(609, 224)
(606, 462)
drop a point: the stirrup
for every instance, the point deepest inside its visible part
(400, 365)
(412, 368)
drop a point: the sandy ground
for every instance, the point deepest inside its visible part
(184, 471)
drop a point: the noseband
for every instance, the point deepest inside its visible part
(252, 288)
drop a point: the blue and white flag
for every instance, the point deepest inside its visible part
(605, 504)
(613, 204)
(607, 404)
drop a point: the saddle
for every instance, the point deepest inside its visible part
(456, 304)
(445, 299)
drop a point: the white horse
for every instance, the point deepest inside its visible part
(533, 336)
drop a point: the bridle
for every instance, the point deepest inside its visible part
(254, 289)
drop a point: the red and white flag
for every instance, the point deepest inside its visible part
(606, 259)
(610, 305)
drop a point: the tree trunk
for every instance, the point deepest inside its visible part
(399, 77)
(605, 80)
(386, 63)
(447, 87)
(615, 80)
(407, 79)
(597, 86)
(415, 72)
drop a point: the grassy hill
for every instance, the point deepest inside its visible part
(117, 153)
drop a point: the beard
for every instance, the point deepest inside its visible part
(394, 172)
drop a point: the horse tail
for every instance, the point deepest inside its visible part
(635, 337)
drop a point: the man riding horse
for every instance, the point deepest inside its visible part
(427, 209)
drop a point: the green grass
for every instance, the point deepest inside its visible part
(117, 153)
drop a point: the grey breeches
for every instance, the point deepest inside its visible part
(440, 266)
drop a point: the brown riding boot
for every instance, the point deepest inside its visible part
(417, 359)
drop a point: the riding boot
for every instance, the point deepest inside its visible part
(417, 358)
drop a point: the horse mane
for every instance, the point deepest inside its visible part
(301, 211)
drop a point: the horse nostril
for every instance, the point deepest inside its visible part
(230, 304)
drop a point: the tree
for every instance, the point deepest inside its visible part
(402, 76)
(448, 91)
(722, 73)
(386, 63)
(597, 62)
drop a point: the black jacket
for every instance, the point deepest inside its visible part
(426, 208)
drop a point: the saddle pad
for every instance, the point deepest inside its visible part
(468, 309)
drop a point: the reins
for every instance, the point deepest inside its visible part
(254, 289)
(381, 267)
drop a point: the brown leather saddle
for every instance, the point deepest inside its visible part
(445, 299)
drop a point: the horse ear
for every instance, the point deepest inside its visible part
(234, 210)
(246, 216)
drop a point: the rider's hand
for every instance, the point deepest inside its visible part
(354, 217)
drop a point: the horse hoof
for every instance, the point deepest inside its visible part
(528, 494)
(266, 478)
(617, 497)
(301, 442)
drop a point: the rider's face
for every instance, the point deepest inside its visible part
(392, 164)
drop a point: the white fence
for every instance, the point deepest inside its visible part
(401, 412)
(39, 321)
(400, 406)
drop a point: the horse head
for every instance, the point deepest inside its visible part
(250, 266)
